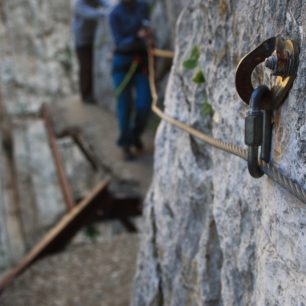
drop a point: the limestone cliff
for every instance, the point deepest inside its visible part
(36, 59)
(213, 235)
(37, 66)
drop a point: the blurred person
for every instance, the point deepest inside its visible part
(129, 22)
(85, 18)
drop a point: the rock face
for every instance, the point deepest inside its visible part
(173, 9)
(103, 58)
(213, 235)
(37, 66)
(36, 58)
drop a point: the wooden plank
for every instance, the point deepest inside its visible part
(53, 234)
(67, 193)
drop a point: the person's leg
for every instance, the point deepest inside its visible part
(124, 108)
(120, 67)
(85, 58)
(143, 107)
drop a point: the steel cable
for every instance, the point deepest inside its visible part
(270, 170)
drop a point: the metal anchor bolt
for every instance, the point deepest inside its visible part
(283, 60)
(281, 56)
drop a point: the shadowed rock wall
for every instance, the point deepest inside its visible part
(213, 235)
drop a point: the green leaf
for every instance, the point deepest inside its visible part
(207, 109)
(192, 61)
(92, 232)
(195, 53)
(198, 77)
(190, 64)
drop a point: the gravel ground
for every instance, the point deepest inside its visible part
(97, 274)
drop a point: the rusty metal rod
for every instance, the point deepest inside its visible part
(64, 184)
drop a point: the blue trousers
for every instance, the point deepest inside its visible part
(133, 104)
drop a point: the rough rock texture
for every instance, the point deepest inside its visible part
(102, 69)
(37, 66)
(36, 58)
(104, 46)
(213, 235)
(4, 248)
(36, 177)
(80, 173)
(173, 9)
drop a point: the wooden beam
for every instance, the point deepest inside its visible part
(55, 233)
(63, 180)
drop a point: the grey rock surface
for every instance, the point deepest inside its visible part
(4, 247)
(37, 66)
(103, 84)
(173, 10)
(80, 173)
(214, 235)
(37, 61)
(40, 198)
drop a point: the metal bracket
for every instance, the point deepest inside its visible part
(279, 55)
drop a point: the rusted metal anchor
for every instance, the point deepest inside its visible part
(281, 56)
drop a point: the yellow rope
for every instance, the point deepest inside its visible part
(268, 169)
(162, 53)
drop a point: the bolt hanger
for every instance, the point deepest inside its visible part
(279, 55)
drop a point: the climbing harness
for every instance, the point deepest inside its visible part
(280, 56)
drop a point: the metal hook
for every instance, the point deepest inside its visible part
(279, 55)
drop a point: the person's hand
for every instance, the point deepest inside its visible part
(144, 33)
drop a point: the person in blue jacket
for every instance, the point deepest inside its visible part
(85, 17)
(129, 22)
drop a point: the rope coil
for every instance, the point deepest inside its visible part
(293, 187)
